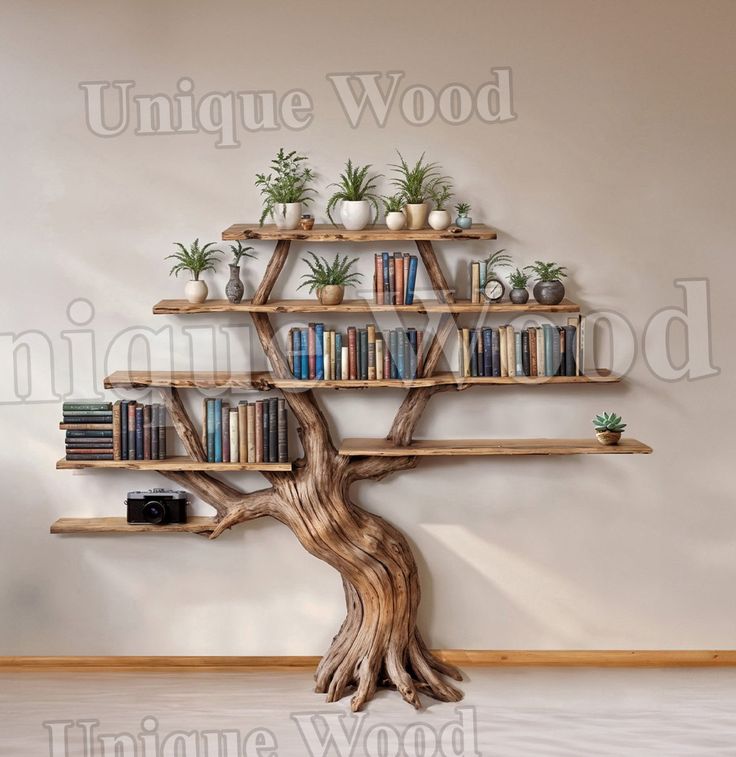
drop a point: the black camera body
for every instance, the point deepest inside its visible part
(157, 507)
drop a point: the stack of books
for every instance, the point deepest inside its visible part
(545, 350)
(250, 432)
(317, 354)
(124, 430)
(395, 278)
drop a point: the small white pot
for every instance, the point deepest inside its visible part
(355, 214)
(195, 291)
(416, 215)
(439, 219)
(286, 215)
(395, 220)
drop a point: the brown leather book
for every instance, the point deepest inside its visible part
(352, 354)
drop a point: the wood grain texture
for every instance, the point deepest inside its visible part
(178, 415)
(194, 525)
(169, 464)
(484, 447)
(323, 232)
(184, 307)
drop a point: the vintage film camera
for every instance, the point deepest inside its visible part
(157, 506)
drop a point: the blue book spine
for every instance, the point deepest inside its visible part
(495, 353)
(483, 269)
(400, 367)
(139, 432)
(547, 329)
(386, 282)
(363, 354)
(124, 429)
(296, 342)
(218, 431)
(304, 353)
(210, 431)
(556, 349)
(412, 280)
(487, 353)
(519, 354)
(412, 344)
(338, 356)
(319, 334)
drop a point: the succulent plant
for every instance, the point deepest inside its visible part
(608, 422)
(322, 273)
(463, 208)
(546, 271)
(518, 279)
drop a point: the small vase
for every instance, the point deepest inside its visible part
(549, 292)
(306, 222)
(439, 219)
(195, 291)
(464, 222)
(331, 294)
(416, 215)
(234, 288)
(355, 214)
(519, 296)
(286, 215)
(395, 220)
(608, 438)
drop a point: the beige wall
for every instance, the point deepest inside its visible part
(620, 164)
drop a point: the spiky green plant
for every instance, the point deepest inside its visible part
(288, 182)
(322, 273)
(194, 259)
(608, 422)
(355, 184)
(440, 194)
(239, 251)
(393, 203)
(547, 271)
(462, 208)
(497, 260)
(416, 183)
(518, 279)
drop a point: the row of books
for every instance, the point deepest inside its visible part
(316, 353)
(546, 350)
(124, 430)
(395, 278)
(249, 432)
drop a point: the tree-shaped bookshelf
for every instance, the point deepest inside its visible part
(379, 642)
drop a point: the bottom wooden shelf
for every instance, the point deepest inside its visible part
(501, 447)
(195, 525)
(169, 464)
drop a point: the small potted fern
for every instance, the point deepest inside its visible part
(196, 260)
(608, 428)
(234, 289)
(286, 189)
(329, 279)
(549, 289)
(356, 195)
(519, 294)
(415, 184)
(393, 207)
(439, 219)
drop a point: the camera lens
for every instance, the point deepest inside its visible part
(154, 512)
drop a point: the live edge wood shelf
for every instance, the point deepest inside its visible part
(379, 643)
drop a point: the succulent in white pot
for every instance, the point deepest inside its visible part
(196, 260)
(439, 219)
(285, 189)
(357, 198)
(394, 211)
(416, 183)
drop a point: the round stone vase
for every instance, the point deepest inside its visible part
(464, 222)
(519, 296)
(234, 288)
(332, 294)
(549, 292)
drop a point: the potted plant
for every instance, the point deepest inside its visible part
(439, 218)
(415, 184)
(234, 288)
(608, 428)
(286, 189)
(355, 193)
(393, 207)
(549, 289)
(463, 220)
(330, 279)
(519, 294)
(196, 260)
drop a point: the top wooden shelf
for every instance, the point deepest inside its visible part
(323, 232)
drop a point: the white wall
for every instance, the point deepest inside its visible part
(619, 164)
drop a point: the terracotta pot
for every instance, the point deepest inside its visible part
(416, 215)
(332, 294)
(195, 291)
(549, 292)
(608, 438)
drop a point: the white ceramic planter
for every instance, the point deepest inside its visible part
(195, 291)
(439, 219)
(355, 214)
(395, 220)
(416, 215)
(286, 215)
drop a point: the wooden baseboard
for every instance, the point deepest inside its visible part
(619, 658)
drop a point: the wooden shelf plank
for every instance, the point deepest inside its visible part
(261, 381)
(170, 464)
(323, 232)
(194, 525)
(494, 447)
(171, 307)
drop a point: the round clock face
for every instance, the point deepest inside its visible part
(493, 290)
